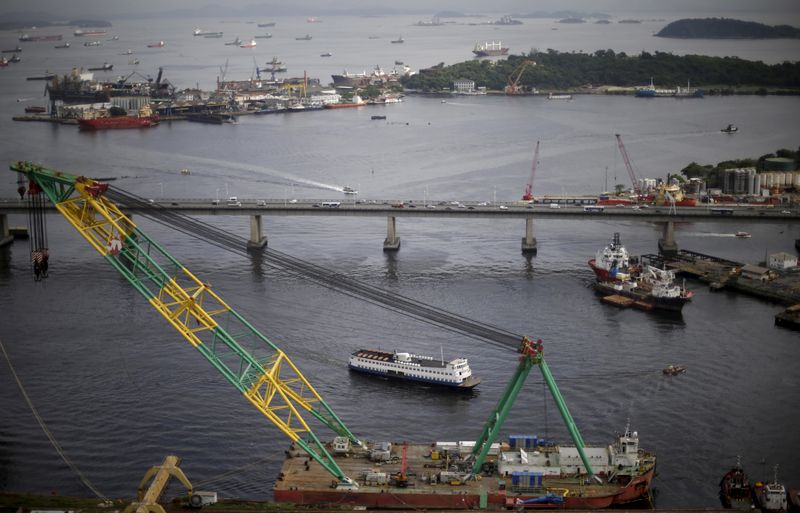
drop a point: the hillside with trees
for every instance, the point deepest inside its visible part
(723, 28)
(565, 71)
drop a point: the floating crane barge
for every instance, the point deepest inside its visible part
(532, 474)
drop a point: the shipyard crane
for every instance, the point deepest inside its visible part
(528, 196)
(513, 79)
(530, 354)
(250, 362)
(634, 181)
(401, 478)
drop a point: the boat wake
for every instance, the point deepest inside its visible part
(704, 234)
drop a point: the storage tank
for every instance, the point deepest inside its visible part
(757, 184)
(788, 179)
(797, 179)
(779, 178)
(779, 164)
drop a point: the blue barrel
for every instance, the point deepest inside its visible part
(515, 478)
(535, 441)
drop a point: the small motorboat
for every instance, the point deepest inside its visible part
(673, 370)
(743, 235)
(730, 129)
(326, 54)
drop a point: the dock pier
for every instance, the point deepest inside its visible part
(392, 241)
(529, 241)
(257, 238)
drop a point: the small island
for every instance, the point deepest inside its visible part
(723, 28)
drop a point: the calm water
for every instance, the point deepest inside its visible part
(119, 389)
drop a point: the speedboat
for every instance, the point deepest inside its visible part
(673, 370)
(743, 235)
(730, 129)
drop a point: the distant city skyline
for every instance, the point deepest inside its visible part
(109, 8)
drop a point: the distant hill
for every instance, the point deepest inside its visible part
(722, 28)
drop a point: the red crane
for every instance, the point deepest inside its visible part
(636, 187)
(528, 196)
(401, 478)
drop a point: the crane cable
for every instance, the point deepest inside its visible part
(326, 278)
(47, 431)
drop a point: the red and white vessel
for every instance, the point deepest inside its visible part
(145, 119)
(251, 44)
(612, 262)
(160, 44)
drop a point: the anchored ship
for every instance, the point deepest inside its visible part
(411, 367)
(489, 49)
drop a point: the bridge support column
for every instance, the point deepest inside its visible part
(529, 241)
(5, 234)
(257, 239)
(666, 244)
(392, 241)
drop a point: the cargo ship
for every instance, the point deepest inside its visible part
(489, 49)
(346, 79)
(411, 367)
(515, 476)
(145, 119)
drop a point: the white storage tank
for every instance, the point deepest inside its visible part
(797, 179)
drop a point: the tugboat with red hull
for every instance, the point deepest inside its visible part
(735, 490)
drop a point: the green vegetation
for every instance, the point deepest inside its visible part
(722, 28)
(713, 175)
(567, 71)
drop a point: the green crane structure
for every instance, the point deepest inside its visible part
(531, 354)
(255, 366)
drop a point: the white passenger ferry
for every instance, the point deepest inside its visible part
(411, 367)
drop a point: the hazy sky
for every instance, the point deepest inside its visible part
(109, 8)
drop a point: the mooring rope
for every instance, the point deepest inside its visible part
(47, 431)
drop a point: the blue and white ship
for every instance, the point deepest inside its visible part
(411, 367)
